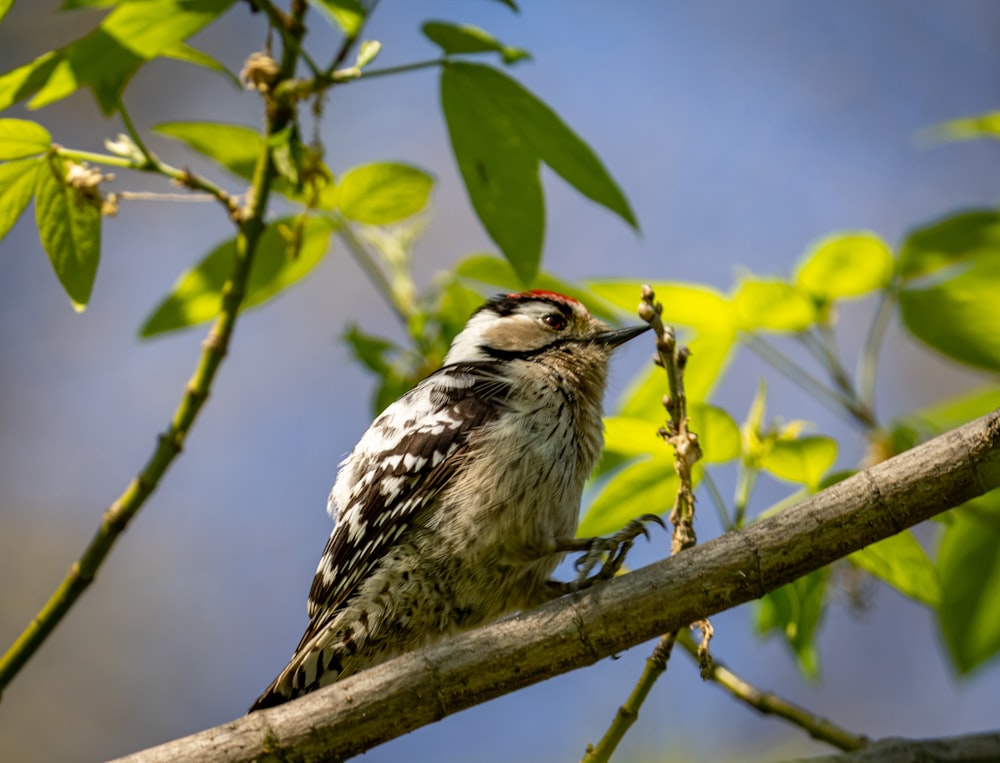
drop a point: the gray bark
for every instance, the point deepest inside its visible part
(351, 716)
(974, 748)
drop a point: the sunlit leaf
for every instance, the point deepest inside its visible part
(645, 487)
(20, 138)
(794, 611)
(4, 7)
(773, 305)
(947, 414)
(349, 15)
(455, 39)
(107, 58)
(381, 193)
(967, 128)
(183, 52)
(969, 566)
(845, 265)
(951, 278)
(718, 433)
(901, 562)
(69, 226)
(684, 304)
(234, 147)
(710, 355)
(285, 254)
(17, 186)
(803, 461)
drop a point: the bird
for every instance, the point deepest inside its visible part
(463, 496)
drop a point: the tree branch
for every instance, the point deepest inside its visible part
(396, 697)
(974, 748)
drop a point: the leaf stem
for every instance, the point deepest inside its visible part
(834, 400)
(403, 68)
(868, 363)
(108, 160)
(725, 521)
(770, 703)
(366, 262)
(170, 443)
(136, 137)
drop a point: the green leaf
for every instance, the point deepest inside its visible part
(370, 350)
(349, 15)
(20, 138)
(951, 278)
(803, 461)
(17, 186)
(773, 305)
(642, 487)
(947, 414)
(69, 226)
(718, 434)
(845, 265)
(710, 355)
(684, 304)
(72, 5)
(183, 52)
(499, 170)
(632, 437)
(25, 81)
(381, 193)
(456, 39)
(234, 147)
(968, 128)
(291, 157)
(107, 58)
(287, 251)
(795, 611)
(499, 133)
(969, 566)
(5, 6)
(901, 562)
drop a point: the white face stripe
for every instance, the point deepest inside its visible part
(525, 313)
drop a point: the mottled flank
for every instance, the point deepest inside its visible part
(450, 509)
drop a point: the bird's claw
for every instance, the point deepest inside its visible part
(615, 546)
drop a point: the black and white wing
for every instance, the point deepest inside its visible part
(400, 465)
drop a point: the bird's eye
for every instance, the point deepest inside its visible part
(555, 321)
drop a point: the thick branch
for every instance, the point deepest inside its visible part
(389, 700)
(974, 748)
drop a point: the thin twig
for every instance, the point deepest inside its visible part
(770, 703)
(687, 452)
(290, 30)
(170, 442)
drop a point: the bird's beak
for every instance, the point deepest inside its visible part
(616, 337)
